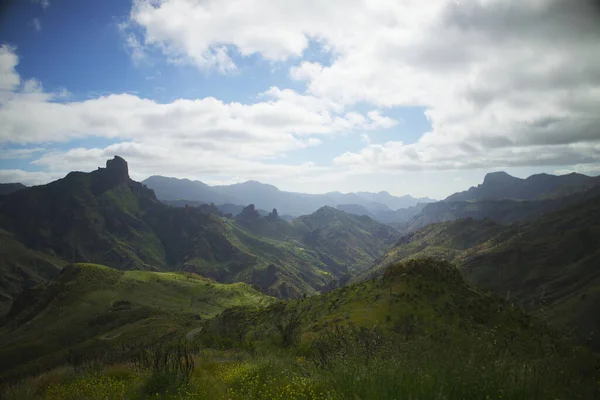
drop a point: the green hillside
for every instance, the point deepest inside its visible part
(95, 307)
(549, 265)
(418, 331)
(355, 241)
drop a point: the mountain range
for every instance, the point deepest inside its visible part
(104, 217)
(97, 273)
(500, 185)
(267, 197)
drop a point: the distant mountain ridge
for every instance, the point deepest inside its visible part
(267, 197)
(500, 185)
(503, 198)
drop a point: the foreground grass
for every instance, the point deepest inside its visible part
(421, 369)
(417, 333)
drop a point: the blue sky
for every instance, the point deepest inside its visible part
(387, 99)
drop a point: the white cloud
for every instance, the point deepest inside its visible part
(398, 156)
(205, 135)
(29, 178)
(586, 169)
(171, 159)
(13, 154)
(502, 80)
(504, 83)
(134, 47)
(37, 25)
(9, 79)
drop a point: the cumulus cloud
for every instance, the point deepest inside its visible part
(29, 178)
(170, 159)
(503, 81)
(14, 154)
(207, 135)
(9, 79)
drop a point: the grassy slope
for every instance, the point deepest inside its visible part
(419, 331)
(549, 265)
(426, 293)
(90, 305)
(436, 323)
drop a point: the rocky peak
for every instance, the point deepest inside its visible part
(249, 213)
(115, 173)
(118, 167)
(498, 177)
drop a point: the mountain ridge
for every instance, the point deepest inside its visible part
(254, 192)
(501, 185)
(548, 265)
(106, 218)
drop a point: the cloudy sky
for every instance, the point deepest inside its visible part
(408, 96)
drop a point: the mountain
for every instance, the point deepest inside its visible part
(92, 307)
(354, 241)
(548, 265)
(172, 189)
(88, 217)
(104, 217)
(355, 209)
(500, 185)
(503, 211)
(267, 197)
(8, 188)
(394, 202)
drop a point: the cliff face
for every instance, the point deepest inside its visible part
(115, 173)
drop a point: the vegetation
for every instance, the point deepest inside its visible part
(121, 324)
(418, 332)
(109, 308)
(21, 267)
(106, 218)
(549, 266)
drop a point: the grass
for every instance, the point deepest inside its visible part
(418, 369)
(109, 307)
(417, 332)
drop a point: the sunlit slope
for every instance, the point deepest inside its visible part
(93, 306)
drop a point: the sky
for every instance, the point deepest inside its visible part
(411, 96)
